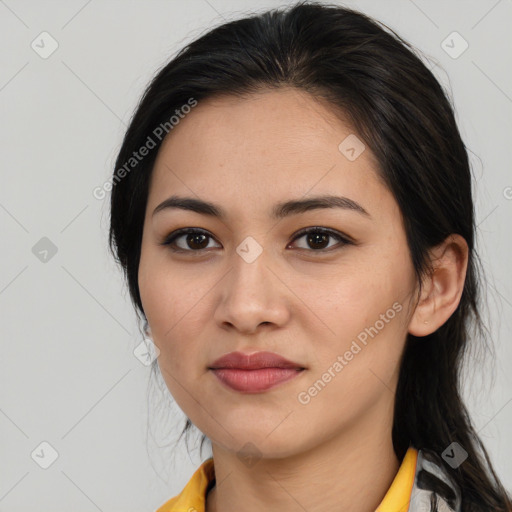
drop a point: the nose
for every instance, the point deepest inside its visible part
(252, 295)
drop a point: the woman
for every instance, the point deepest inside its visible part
(292, 209)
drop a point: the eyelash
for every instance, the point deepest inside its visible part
(170, 239)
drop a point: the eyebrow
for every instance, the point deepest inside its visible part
(279, 211)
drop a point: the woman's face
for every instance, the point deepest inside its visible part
(337, 309)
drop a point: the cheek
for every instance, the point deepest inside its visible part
(176, 304)
(354, 298)
(161, 291)
(362, 311)
(356, 367)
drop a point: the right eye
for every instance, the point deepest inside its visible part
(196, 240)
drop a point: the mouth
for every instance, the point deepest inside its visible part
(254, 373)
(255, 381)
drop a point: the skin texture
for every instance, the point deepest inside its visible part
(305, 303)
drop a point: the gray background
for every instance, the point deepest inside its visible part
(68, 373)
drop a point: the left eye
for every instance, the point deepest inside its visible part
(197, 239)
(317, 237)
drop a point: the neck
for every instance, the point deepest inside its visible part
(351, 471)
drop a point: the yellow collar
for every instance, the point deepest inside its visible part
(399, 494)
(193, 495)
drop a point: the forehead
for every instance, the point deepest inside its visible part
(261, 146)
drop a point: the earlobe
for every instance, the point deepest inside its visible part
(442, 288)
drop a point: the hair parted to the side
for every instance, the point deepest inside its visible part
(400, 111)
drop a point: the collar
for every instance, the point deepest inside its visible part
(419, 482)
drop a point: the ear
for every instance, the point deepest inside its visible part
(442, 288)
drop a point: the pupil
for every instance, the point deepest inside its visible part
(196, 236)
(319, 237)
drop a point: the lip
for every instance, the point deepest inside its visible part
(254, 373)
(254, 361)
